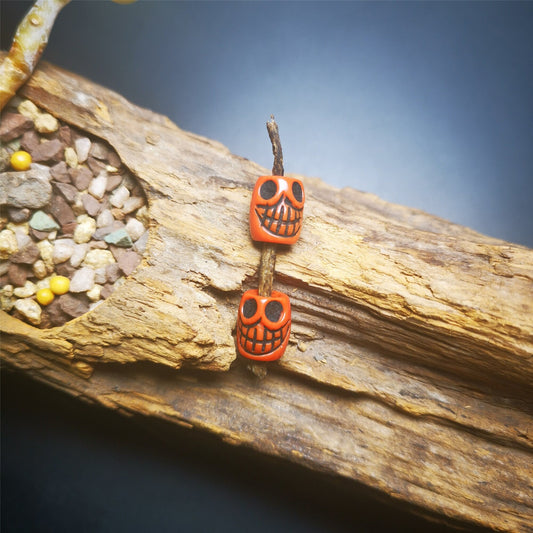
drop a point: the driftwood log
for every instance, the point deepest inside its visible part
(411, 357)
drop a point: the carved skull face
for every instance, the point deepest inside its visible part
(277, 209)
(263, 325)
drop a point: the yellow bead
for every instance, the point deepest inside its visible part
(21, 160)
(59, 284)
(45, 296)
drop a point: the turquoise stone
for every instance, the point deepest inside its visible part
(120, 237)
(40, 221)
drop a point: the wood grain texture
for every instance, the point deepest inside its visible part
(410, 363)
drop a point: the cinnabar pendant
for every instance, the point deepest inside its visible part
(263, 325)
(276, 209)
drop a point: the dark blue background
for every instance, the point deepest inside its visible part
(426, 104)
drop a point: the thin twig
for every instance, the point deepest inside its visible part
(268, 254)
(273, 133)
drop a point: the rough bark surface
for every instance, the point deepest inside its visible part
(410, 363)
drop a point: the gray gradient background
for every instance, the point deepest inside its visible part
(426, 104)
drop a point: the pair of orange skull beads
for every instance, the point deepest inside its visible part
(264, 322)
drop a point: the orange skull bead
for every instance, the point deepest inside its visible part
(276, 209)
(263, 325)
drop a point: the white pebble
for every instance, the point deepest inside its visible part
(22, 239)
(63, 250)
(131, 204)
(140, 244)
(100, 275)
(46, 123)
(8, 243)
(30, 309)
(85, 229)
(97, 186)
(82, 146)
(29, 289)
(82, 280)
(80, 250)
(71, 157)
(135, 228)
(98, 258)
(119, 196)
(94, 293)
(105, 218)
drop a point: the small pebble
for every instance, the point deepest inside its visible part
(82, 145)
(119, 196)
(128, 261)
(73, 305)
(82, 280)
(135, 229)
(26, 255)
(46, 248)
(81, 177)
(132, 203)
(49, 151)
(28, 289)
(85, 229)
(63, 250)
(94, 293)
(113, 182)
(140, 244)
(39, 269)
(18, 215)
(60, 173)
(120, 238)
(80, 251)
(97, 186)
(29, 309)
(46, 123)
(8, 243)
(98, 259)
(13, 125)
(100, 275)
(105, 218)
(71, 157)
(28, 109)
(43, 222)
(91, 205)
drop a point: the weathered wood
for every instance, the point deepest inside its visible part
(410, 363)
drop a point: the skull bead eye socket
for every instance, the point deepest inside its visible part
(249, 308)
(297, 191)
(268, 189)
(273, 310)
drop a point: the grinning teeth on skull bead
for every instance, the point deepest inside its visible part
(270, 339)
(280, 219)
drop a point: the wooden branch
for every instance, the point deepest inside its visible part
(28, 45)
(410, 363)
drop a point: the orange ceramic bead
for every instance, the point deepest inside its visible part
(263, 325)
(276, 210)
